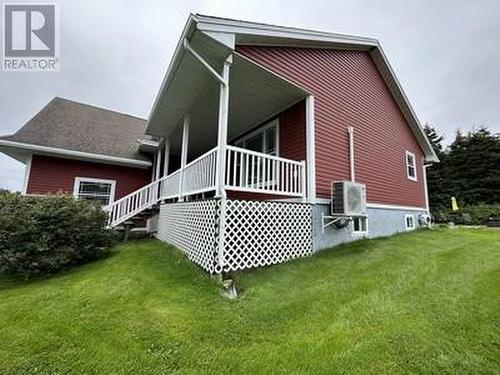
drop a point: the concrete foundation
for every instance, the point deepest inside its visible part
(381, 222)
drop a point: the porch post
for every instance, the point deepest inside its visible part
(310, 150)
(166, 157)
(222, 130)
(184, 152)
(158, 164)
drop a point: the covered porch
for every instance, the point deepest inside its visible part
(212, 128)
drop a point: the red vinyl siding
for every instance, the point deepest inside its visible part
(349, 91)
(53, 175)
(292, 144)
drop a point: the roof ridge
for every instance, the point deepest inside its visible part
(98, 107)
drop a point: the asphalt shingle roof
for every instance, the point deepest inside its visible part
(75, 126)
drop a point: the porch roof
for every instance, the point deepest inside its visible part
(255, 95)
(189, 86)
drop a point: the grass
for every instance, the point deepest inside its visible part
(413, 303)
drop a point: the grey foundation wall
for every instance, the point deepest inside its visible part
(381, 222)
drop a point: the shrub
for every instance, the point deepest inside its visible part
(45, 235)
(468, 215)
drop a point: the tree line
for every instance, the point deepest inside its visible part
(469, 168)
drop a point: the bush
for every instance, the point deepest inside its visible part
(44, 235)
(468, 215)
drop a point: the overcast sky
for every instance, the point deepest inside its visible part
(114, 54)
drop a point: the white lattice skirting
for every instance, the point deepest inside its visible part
(254, 233)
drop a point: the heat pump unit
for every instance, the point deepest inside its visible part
(348, 198)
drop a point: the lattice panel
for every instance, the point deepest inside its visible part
(192, 227)
(261, 233)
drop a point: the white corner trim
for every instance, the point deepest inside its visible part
(310, 150)
(426, 189)
(78, 180)
(27, 172)
(79, 155)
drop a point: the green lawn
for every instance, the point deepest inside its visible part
(421, 302)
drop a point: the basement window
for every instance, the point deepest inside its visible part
(100, 191)
(409, 222)
(360, 225)
(411, 166)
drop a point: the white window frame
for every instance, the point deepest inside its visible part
(360, 232)
(414, 226)
(78, 180)
(239, 142)
(412, 155)
(262, 129)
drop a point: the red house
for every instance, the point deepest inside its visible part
(265, 143)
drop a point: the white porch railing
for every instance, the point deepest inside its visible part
(252, 171)
(199, 175)
(130, 205)
(246, 171)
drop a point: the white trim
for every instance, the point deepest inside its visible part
(361, 233)
(77, 154)
(426, 190)
(27, 172)
(350, 130)
(222, 125)
(190, 49)
(262, 129)
(379, 206)
(78, 180)
(215, 24)
(310, 150)
(414, 166)
(413, 220)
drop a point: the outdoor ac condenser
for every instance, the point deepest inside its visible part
(348, 198)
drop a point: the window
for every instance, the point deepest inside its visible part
(411, 166)
(263, 140)
(97, 190)
(360, 225)
(409, 222)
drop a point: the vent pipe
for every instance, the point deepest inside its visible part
(350, 130)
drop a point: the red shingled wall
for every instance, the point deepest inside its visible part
(53, 175)
(349, 91)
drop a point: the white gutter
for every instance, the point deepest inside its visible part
(77, 154)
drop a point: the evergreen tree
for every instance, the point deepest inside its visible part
(472, 167)
(436, 182)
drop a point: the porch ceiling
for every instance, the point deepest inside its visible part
(255, 95)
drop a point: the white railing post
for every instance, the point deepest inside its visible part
(303, 180)
(222, 130)
(184, 152)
